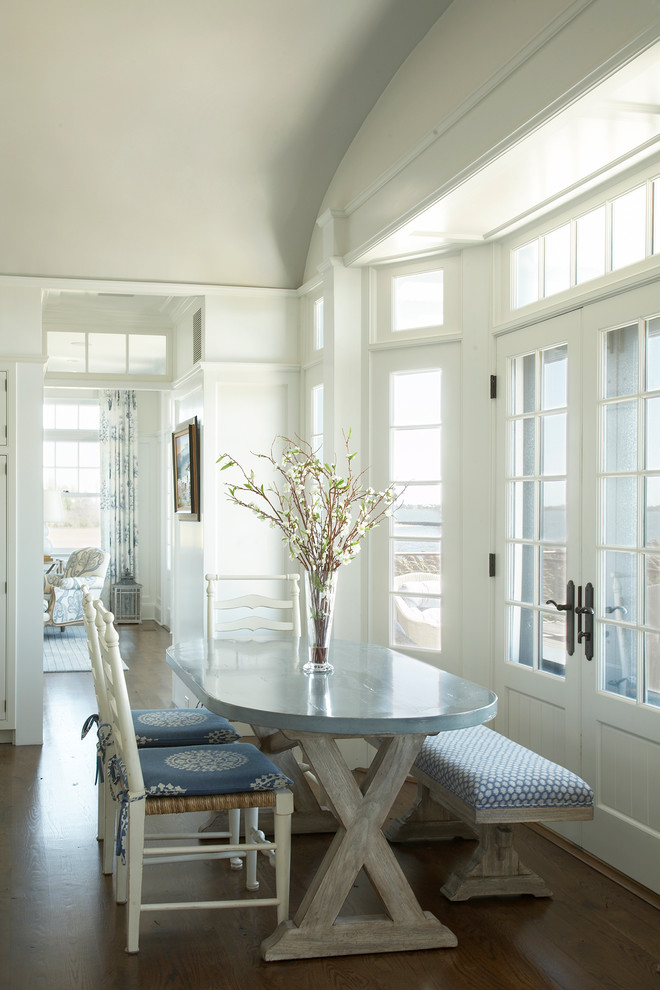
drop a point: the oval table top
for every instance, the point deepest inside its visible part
(373, 690)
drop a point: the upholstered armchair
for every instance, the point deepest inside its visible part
(63, 596)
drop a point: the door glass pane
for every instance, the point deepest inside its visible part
(652, 590)
(416, 454)
(522, 510)
(553, 440)
(553, 642)
(620, 667)
(522, 573)
(419, 508)
(521, 636)
(653, 434)
(653, 351)
(652, 653)
(553, 511)
(621, 361)
(553, 574)
(417, 557)
(523, 447)
(416, 398)
(620, 511)
(523, 384)
(652, 514)
(620, 585)
(554, 367)
(621, 436)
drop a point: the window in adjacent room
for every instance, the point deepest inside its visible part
(71, 458)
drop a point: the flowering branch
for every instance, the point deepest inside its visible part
(323, 515)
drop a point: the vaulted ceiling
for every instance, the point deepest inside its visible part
(184, 141)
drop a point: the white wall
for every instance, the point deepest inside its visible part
(20, 347)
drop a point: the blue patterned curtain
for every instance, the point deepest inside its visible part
(119, 466)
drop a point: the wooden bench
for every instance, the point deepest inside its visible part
(477, 781)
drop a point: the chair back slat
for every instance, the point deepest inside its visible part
(275, 612)
(121, 719)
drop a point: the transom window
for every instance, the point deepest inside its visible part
(106, 353)
(615, 234)
(418, 300)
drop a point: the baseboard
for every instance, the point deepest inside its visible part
(597, 864)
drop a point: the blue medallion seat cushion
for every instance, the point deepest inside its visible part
(181, 727)
(488, 771)
(196, 770)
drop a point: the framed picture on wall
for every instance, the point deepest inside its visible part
(185, 458)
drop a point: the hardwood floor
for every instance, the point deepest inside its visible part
(60, 928)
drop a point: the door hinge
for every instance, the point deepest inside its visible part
(493, 386)
(491, 565)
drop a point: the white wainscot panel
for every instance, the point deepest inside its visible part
(538, 725)
(631, 787)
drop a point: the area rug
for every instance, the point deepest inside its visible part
(66, 651)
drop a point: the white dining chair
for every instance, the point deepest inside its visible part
(177, 780)
(230, 607)
(154, 727)
(256, 603)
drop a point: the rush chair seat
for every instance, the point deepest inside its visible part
(175, 780)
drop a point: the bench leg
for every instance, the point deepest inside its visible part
(494, 869)
(427, 819)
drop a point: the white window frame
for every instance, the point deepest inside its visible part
(504, 273)
(382, 280)
(75, 436)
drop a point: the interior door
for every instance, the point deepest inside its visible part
(578, 646)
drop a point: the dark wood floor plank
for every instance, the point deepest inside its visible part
(60, 928)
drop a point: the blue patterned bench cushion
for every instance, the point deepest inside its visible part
(486, 770)
(181, 727)
(193, 770)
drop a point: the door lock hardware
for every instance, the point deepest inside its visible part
(586, 634)
(569, 608)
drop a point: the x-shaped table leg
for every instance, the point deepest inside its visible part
(316, 929)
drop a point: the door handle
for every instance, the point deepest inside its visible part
(569, 608)
(586, 610)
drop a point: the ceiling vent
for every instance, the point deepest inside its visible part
(197, 337)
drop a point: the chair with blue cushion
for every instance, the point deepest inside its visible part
(174, 780)
(154, 727)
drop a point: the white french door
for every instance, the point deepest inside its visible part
(578, 634)
(414, 558)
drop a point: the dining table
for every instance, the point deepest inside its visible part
(375, 693)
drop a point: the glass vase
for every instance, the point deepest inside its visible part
(320, 591)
